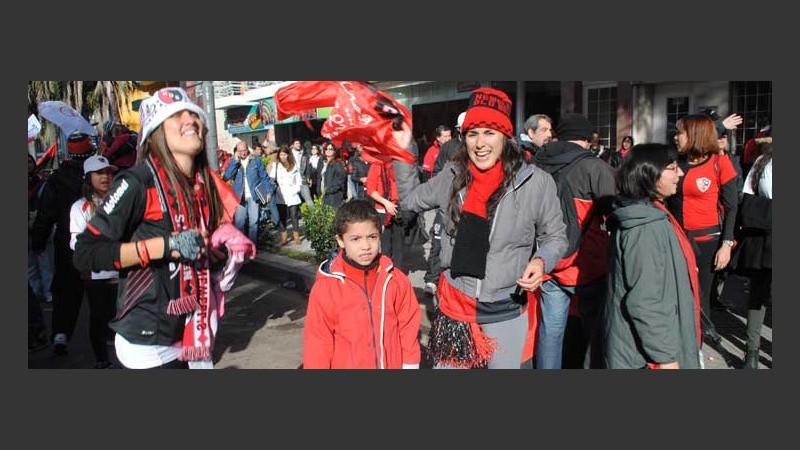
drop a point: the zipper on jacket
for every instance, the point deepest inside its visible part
(371, 320)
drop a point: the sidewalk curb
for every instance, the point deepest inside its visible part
(281, 269)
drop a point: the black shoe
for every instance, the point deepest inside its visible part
(102, 365)
(37, 344)
(751, 360)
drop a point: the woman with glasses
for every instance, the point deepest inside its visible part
(651, 313)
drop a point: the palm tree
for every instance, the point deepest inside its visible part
(90, 98)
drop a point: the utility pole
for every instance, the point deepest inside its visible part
(207, 92)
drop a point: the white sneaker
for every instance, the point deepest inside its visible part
(430, 288)
(60, 344)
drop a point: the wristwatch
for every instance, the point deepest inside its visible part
(728, 243)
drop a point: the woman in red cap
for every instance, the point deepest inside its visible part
(497, 209)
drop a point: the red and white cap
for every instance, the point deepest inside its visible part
(165, 102)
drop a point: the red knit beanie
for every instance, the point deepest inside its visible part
(489, 108)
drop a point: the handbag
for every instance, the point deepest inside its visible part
(735, 293)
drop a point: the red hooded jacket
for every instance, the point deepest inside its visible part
(348, 327)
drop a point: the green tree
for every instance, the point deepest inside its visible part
(319, 227)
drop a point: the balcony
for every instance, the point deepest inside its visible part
(231, 88)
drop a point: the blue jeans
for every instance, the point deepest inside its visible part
(553, 312)
(40, 270)
(553, 315)
(272, 212)
(248, 213)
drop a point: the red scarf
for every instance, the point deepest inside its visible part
(691, 264)
(195, 294)
(456, 338)
(484, 183)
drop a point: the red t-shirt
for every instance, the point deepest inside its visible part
(701, 189)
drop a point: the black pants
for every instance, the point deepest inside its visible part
(67, 289)
(707, 276)
(289, 214)
(102, 295)
(392, 243)
(36, 324)
(434, 263)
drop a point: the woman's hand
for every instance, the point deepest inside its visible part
(403, 136)
(732, 121)
(723, 257)
(217, 257)
(532, 276)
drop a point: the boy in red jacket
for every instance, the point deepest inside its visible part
(362, 314)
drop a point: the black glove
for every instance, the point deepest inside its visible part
(187, 243)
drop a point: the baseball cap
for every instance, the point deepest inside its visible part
(95, 163)
(460, 120)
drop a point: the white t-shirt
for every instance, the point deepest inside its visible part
(79, 215)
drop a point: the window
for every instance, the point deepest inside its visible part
(677, 107)
(753, 101)
(601, 110)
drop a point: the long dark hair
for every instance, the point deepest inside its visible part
(290, 162)
(510, 158)
(765, 149)
(639, 173)
(156, 144)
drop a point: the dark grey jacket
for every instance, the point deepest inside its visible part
(650, 311)
(528, 214)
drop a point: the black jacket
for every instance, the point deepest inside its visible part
(129, 214)
(62, 189)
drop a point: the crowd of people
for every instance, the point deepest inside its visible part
(529, 231)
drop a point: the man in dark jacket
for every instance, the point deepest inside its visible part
(434, 264)
(586, 188)
(539, 130)
(62, 189)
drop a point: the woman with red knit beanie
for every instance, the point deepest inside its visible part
(503, 231)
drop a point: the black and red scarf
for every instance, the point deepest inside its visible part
(456, 339)
(472, 236)
(195, 294)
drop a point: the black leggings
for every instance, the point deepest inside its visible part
(102, 295)
(288, 213)
(707, 274)
(67, 289)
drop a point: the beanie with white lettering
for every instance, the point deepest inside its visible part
(488, 108)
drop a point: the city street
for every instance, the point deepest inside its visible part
(265, 312)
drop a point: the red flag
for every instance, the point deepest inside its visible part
(361, 113)
(364, 114)
(229, 199)
(48, 155)
(304, 96)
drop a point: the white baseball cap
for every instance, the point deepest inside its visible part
(460, 120)
(95, 163)
(165, 102)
